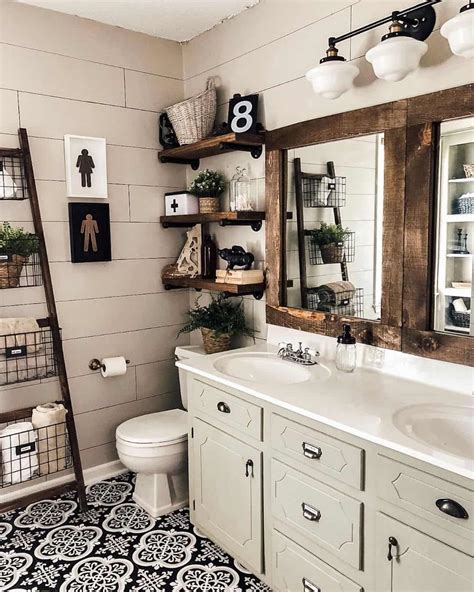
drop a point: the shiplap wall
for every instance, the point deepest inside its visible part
(59, 75)
(269, 48)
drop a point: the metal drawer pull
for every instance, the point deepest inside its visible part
(311, 513)
(392, 542)
(310, 451)
(223, 407)
(309, 587)
(452, 508)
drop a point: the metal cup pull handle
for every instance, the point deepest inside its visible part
(310, 587)
(223, 407)
(452, 508)
(310, 513)
(312, 452)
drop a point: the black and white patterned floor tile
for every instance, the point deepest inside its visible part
(114, 547)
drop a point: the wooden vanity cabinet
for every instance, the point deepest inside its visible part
(309, 508)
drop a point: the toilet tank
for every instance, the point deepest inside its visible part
(185, 353)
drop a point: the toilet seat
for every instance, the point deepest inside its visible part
(163, 428)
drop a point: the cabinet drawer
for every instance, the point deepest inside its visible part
(422, 494)
(318, 452)
(296, 570)
(228, 409)
(326, 517)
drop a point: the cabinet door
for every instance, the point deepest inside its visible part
(227, 492)
(419, 563)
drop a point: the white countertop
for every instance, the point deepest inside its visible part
(362, 403)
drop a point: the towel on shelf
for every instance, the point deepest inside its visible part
(25, 368)
(49, 421)
(7, 185)
(17, 332)
(344, 310)
(335, 293)
(19, 460)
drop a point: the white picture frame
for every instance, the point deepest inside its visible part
(86, 172)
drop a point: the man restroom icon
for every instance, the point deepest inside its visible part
(89, 228)
(85, 164)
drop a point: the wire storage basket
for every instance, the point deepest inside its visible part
(321, 191)
(20, 262)
(332, 253)
(346, 303)
(459, 319)
(27, 452)
(27, 356)
(12, 177)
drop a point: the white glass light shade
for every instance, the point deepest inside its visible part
(459, 31)
(396, 57)
(333, 78)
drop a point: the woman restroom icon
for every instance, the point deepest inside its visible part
(85, 164)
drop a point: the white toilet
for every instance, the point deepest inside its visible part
(155, 447)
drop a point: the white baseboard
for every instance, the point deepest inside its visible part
(92, 475)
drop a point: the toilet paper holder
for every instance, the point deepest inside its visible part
(96, 364)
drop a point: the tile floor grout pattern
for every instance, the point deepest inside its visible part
(115, 546)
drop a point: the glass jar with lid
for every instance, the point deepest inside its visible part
(241, 194)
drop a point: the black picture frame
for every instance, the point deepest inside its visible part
(242, 116)
(89, 232)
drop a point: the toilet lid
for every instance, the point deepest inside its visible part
(155, 428)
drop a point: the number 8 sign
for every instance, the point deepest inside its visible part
(243, 114)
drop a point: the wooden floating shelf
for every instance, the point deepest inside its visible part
(256, 290)
(253, 219)
(192, 153)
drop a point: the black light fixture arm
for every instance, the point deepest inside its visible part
(402, 16)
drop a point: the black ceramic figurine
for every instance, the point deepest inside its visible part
(237, 256)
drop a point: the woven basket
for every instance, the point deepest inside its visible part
(461, 319)
(10, 271)
(465, 204)
(468, 170)
(208, 205)
(193, 119)
(214, 343)
(332, 253)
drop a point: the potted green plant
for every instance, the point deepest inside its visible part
(330, 240)
(16, 247)
(219, 321)
(208, 186)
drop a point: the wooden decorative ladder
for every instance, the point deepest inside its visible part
(23, 156)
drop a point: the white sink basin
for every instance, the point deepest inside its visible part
(448, 428)
(267, 368)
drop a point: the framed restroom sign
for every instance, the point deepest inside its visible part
(243, 114)
(89, 232)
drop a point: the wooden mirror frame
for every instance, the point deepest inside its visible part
(411, 136)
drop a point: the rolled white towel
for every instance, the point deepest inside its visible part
(18, 450)
(7, 186)
(48, 420)
(16, 332)
(459, 305)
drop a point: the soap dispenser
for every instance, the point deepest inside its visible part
(346, 350)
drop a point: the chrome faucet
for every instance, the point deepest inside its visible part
(300, 356)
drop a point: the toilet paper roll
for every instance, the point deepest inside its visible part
(113, 367)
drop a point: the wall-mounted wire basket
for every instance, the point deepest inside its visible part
(27, 356)
(20, 263)
(321, 191)
(334, 253)
(27, 453)
(348, 303)
(12, 177)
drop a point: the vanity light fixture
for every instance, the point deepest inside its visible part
(459, 31)
(397, 55)
(334, 76)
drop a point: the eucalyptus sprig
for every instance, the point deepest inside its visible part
(208, 184)
(15, 241)
(220, 315)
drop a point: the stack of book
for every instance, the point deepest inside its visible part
(239, 276)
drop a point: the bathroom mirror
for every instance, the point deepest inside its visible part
(403, 164)
(334, 237)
